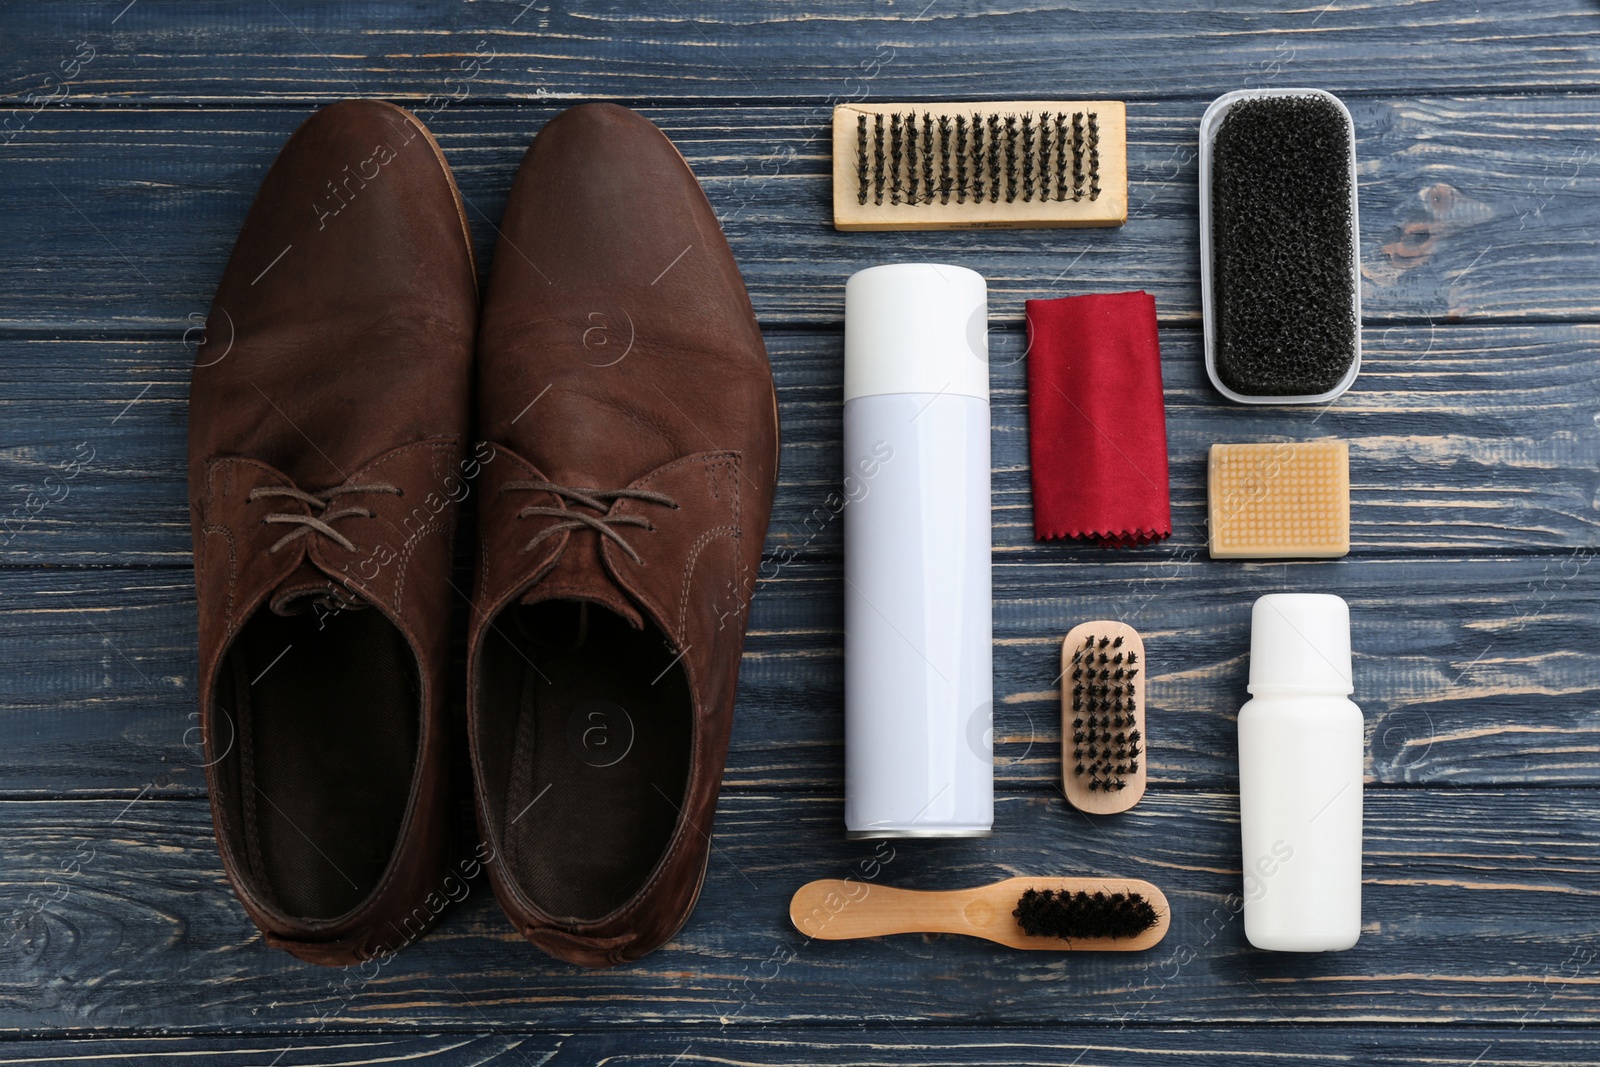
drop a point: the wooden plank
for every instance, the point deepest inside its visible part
(1475, 907)
(1470, 208)
(869, 1045)
(1470, 671)
(1472, 580)
(1463, 440)
(304, 51)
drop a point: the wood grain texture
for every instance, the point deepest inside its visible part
(303, 50)
(1475, 432)
(1474, 908)
(1471, 208)
(1265, 1045)
(1471, 672)
(1463, 439)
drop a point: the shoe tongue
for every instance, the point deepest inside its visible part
(580, 574)
(307, 588)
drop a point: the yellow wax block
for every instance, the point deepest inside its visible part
(1282, 500)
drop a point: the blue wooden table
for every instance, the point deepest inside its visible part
(134, 137)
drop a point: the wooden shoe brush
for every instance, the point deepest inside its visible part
(1003, 165)
(1060, 914)
(1103, 741)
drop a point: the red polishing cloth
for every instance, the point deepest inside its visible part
(1097, 425)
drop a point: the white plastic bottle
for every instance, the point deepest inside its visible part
(1301, 754)
(919, 686)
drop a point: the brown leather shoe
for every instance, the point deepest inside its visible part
(624, 387)
(327, 419)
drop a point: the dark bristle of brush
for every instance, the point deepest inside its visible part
(912, 160)
(863, 164)
(1011, 158)
(878, 160)
(1094, 156)
(963, 165)
(1281, 239)
(1045, 149)
(946, 180)
(1106, 747)
(1030, 157)
(911, 157)
(896, 158)
(995, 154)
(1063, 147)
(1074, 916)
(974, 160)
(1077, 155)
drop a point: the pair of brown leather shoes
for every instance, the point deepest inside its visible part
(622, 481)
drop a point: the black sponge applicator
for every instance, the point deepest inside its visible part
(1283, 299)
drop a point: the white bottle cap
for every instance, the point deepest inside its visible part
(1300, 643)
(916, 328)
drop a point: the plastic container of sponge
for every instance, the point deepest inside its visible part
(1280, 258)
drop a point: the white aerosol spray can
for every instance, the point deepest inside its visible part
(918, 662)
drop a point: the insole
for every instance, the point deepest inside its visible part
(328, 715)
(600, 755)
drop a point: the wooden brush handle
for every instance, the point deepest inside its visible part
(835, 909)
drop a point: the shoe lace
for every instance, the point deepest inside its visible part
(322, 521)
(598, 499)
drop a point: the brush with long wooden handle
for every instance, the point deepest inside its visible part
(1093, 914)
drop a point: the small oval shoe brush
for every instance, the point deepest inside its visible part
(1103, 735)
(1057, 914)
